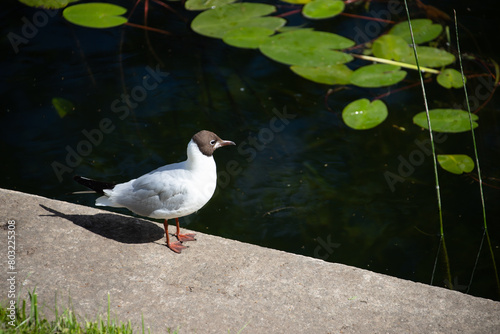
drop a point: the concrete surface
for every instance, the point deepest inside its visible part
(216, 285)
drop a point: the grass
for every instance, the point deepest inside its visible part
(481, 191)
(64, 322)
(442, 244)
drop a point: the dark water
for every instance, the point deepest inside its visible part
(299, 179)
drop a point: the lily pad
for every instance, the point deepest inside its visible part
(363, 115)
(446, 120)
(217, 22)
(63, 106)
(430, 57)
(377, 75)
(456, 163)
(49, 4)
(247, 37)
(205, 4)
(323, 9)
(309, 48)
(424, 30)
(330, 75)
(391, 47)
(96, 15)
(450, 78)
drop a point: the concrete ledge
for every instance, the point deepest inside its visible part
(216, 285)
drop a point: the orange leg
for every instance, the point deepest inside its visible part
(183, 237)
(175, 246)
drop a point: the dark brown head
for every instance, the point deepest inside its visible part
(208, 142)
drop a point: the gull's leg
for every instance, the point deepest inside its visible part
(183, 237)
(175, 246)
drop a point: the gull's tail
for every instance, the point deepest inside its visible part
(97, 186)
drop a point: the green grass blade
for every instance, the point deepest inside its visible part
(434, 157)
(64, 321)
(483, 205)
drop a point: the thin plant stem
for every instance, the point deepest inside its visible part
(480, 179)
(434, 159)
(145, 27)
(397, 63)
(435, 261)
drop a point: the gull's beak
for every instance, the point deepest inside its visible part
(224, 143)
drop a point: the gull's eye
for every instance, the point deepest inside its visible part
(212, 142)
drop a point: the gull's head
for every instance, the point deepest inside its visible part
(208, 142)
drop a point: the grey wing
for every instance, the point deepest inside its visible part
(156, 191)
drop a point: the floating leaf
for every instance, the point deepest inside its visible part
(63, 106)
(362, 115)
(247, 37)
(391, 47)
(330, 75)
(450, 78)
(322, 9)
(456, 163)
(305, 47)
(95, 15)
(423, 30)
(49, 4)
(430, 57)
(377, 75)
(217, 22)
(446, 120)
(205, 4)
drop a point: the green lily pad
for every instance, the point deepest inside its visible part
(96, 15)
(446, 120)
(217, 22)
(247, 37)
(330, 75)
(49, 4)
(377, 75)
(424, 30)
(391, 47)
(309, 48)
(456, 163)
(63, 106)
(430, 57)
(205, 4)
(450, 78)
(363, 115)
(323, 9)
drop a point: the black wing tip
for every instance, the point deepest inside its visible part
(97, 186)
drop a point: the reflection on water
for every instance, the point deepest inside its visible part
(298, 180)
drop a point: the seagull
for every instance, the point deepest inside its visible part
(171, 191)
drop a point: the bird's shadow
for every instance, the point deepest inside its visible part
(127, 230)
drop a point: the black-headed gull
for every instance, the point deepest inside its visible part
(171, 191)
